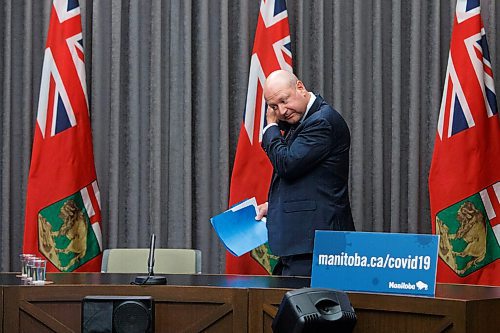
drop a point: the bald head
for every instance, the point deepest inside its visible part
(286, 95)
(280, 78)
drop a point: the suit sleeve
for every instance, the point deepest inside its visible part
(312, 144)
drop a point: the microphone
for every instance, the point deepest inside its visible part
(151, 278)
(151, 256)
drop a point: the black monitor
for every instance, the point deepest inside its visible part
(117, 314)
(314, 310)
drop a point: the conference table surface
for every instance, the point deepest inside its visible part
(194, 280)
(443, 291)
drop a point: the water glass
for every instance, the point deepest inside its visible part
(39, 270)
(24, 264)
(30, 267)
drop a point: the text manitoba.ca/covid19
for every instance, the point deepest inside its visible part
(356, 260)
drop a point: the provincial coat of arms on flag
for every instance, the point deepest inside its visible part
(469, 231)
(63, 214)
(464, 179)
(65, 234)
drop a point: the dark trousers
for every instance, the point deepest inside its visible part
(295, 265)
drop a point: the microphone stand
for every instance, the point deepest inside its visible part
(151, 279)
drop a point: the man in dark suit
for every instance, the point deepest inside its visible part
(307, 142)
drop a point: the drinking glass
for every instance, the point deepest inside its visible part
(39, 270)
(24, 264)
(30, 268)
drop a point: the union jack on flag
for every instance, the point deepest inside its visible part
(59, 91)
(272, 51)
(469, 60)
(252, 170)
(464, 176)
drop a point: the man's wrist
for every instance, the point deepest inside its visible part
(268, 125)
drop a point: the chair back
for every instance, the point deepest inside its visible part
(167, 261)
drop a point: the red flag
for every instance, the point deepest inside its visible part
(252, 170)
(63, 216)
(464, 179)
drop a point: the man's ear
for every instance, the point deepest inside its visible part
(301, 88)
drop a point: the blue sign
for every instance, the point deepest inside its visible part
(375, 262)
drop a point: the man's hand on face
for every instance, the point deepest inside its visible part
(271, 115)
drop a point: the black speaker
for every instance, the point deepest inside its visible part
(118, 314)
(314, 310)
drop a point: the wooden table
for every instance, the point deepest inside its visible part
(189, 303)
(456, 308)
(232, 303)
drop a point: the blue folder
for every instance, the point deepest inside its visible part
(238, 230)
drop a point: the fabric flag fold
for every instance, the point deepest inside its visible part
(464, 179)
(63, 209)
(252, 170)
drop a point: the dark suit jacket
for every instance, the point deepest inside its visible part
(309, 187)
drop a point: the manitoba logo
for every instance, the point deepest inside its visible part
(69, 231)
(469, 231)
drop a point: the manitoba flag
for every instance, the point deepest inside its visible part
(63, 214)
(464, 179)
(252, 170)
